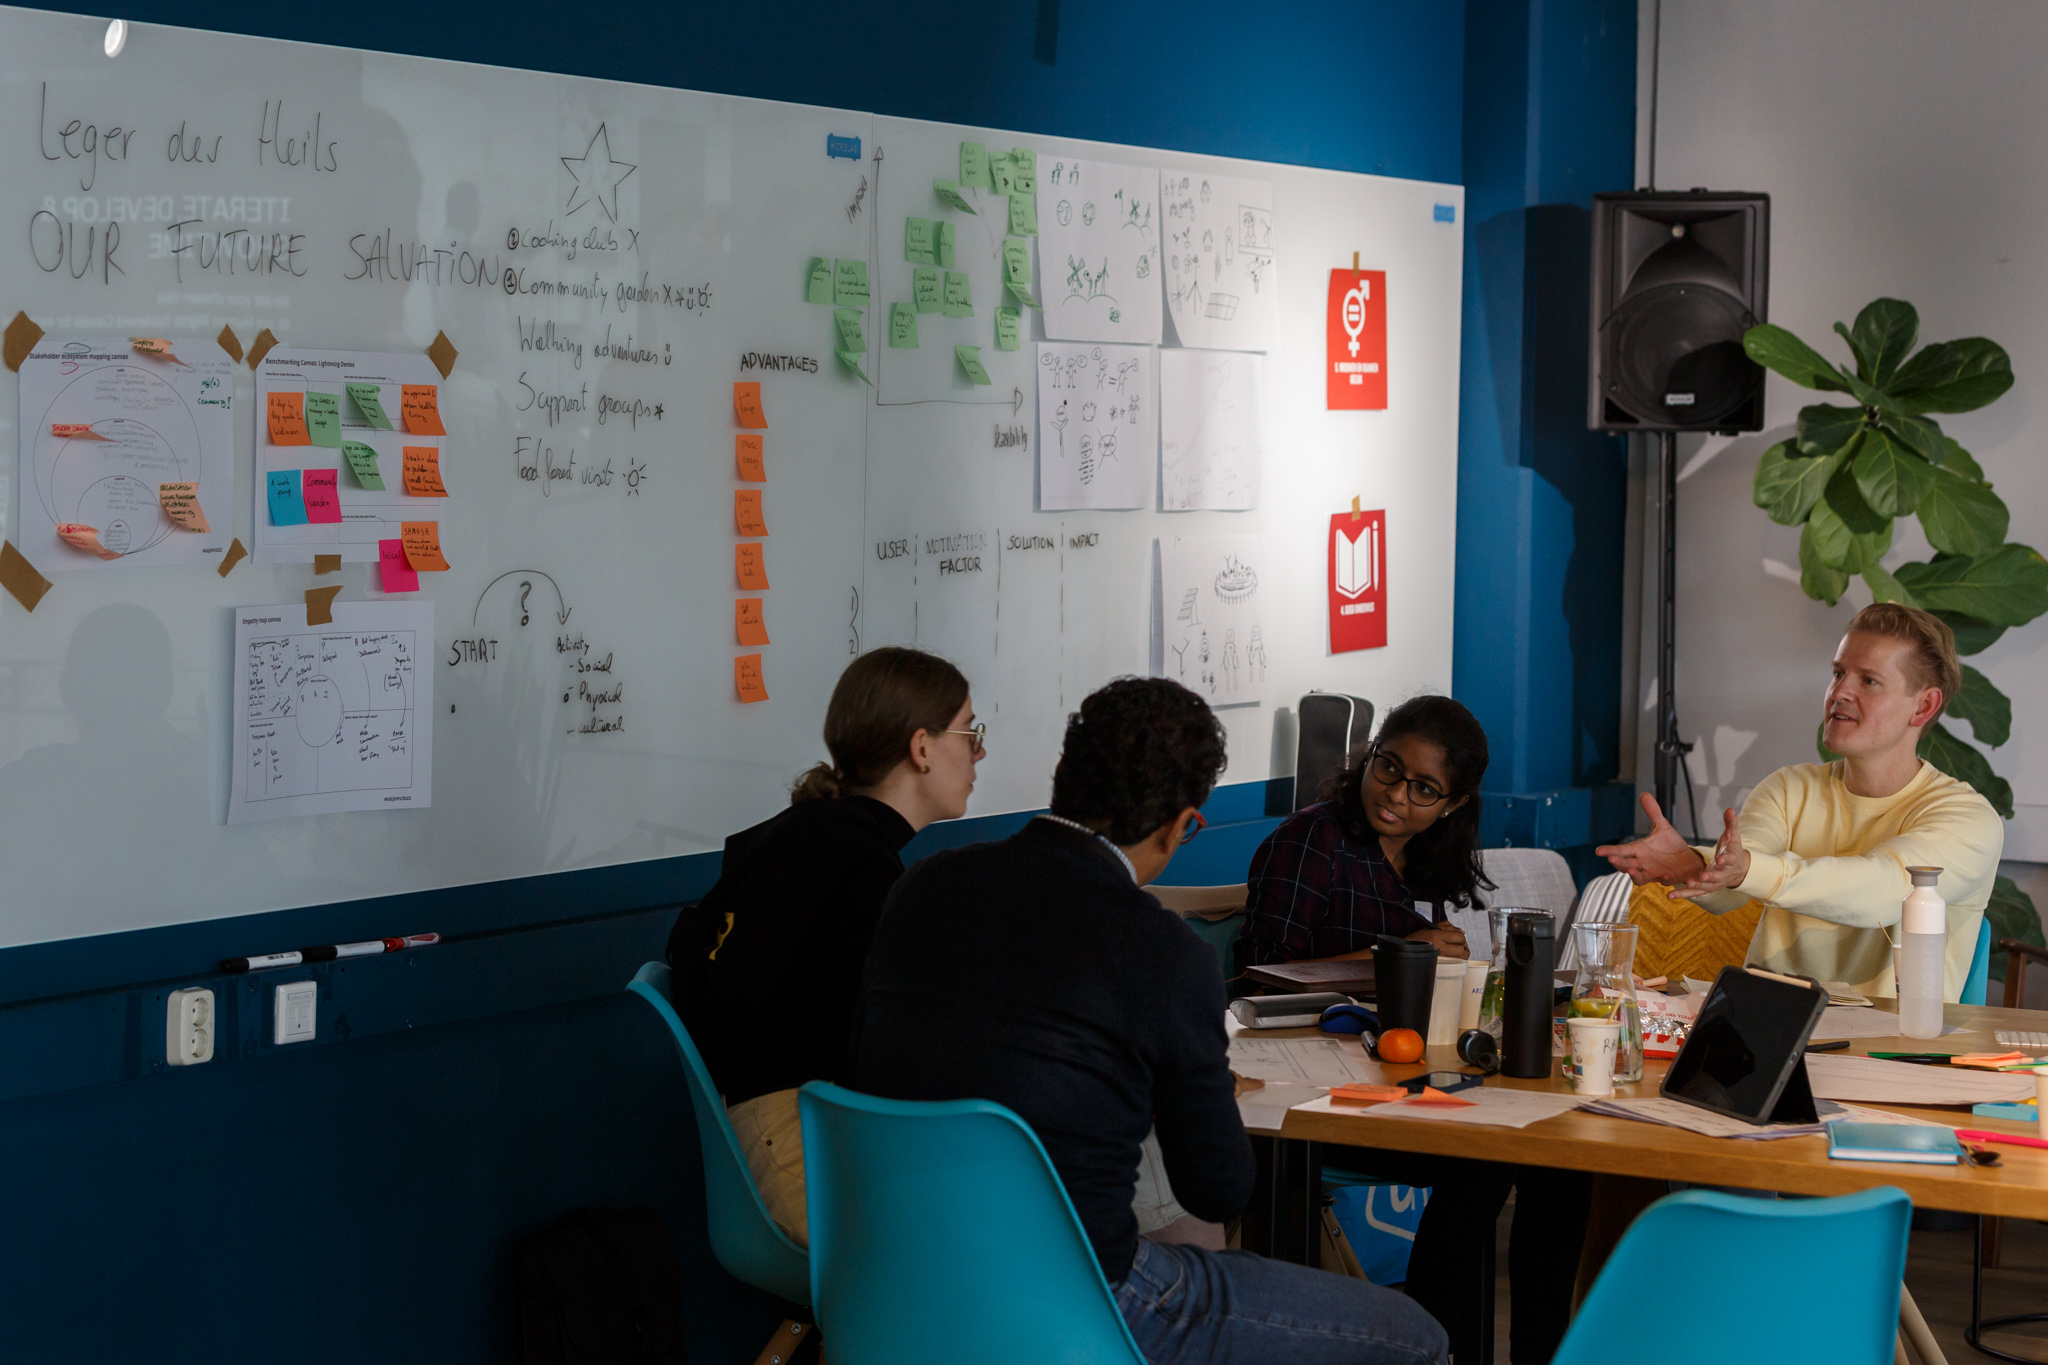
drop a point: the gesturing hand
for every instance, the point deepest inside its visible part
(1729, 867)
(1662, 855)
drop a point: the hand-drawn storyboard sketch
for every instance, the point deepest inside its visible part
(1209, 616)
(1211, 429)
(1220, 270)
(1098, 250)
(1097, 427)
(334, 717)
(104, 428)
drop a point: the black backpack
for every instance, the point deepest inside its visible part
(601, 1288)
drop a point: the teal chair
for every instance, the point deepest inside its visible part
(941, 1233)
(1834, 1293)
(1979, 982)
(743, 1237)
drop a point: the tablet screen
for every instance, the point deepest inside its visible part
(1749, 1035)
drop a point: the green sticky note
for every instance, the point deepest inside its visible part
(362, 462)
(369, 404)
(903, 326)
(1025, 160)
(959, 297)
(946, 244)
(1024, 296)
(970, 361)
(1009, 327)
(920, 242)
(323, 419)
(1024, 215)
(847, 320)
(1002, 174)
(1016, 260)
(950, 192)
(818, 287)
(850, 283)
(1023, 175)
(926, 289)
(974, 166)
(852, 362)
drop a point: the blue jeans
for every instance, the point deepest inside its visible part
(1187, 1306)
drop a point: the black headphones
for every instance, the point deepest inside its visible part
(1477, 1047)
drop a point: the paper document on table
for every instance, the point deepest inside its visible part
(1675, 1114)
(1267, 1106)
(1879, 1082)
(1489, 1106)
(1299, 1061)
(1862, 1021)
(1842, 993)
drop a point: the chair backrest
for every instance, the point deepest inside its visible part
(940, 1232)
(1834, 1294)
(1680, 938)
(743, 1237)
(1978, 983)
(1530, 878)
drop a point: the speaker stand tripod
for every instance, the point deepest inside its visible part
(1671, 750)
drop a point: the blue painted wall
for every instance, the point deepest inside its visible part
(356, 1199)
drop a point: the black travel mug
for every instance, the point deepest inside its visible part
(1403, 982)
(1528, 994)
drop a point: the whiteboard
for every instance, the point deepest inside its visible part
(608, 259)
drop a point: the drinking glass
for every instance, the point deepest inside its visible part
(1606, 989)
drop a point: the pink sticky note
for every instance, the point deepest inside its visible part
(399, 574)
(323, 503)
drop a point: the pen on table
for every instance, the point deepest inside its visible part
(327, 953)
(1917, 1058)
(1832, 1045)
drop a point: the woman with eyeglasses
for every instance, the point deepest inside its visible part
(1398, 826)
(768, 966)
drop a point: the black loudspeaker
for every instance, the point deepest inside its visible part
(1330, 726)
(1677, 279)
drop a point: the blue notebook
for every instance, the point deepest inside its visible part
(1916, 1142)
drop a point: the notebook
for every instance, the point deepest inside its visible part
(1915, 1142)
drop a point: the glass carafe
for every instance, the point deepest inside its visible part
(1496, 971)
(1606, 989)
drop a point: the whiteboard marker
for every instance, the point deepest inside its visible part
(262, 960)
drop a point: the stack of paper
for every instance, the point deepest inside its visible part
(1320, 1062)
(1489, 1106)
(1707, 1123)
(1844, 1077)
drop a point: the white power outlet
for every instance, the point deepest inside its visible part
(188, 1027)
(292, 1012)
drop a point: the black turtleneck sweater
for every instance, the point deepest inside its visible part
(1034, 972)
(773, 1007)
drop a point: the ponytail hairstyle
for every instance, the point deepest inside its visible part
(882, 699)
(1443, 864)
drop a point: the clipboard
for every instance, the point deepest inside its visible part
(1746, 1054)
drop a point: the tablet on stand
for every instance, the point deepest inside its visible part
(1746, 1055)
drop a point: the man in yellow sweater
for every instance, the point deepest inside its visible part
(1825, 846)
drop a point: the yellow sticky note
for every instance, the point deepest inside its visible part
(288, 419)
(750, 566)
(749, 621)
(746, 512)
(747, 679)
(423, 472)
(420, 407)
(181, 504)
(748, 453)
(422, 542)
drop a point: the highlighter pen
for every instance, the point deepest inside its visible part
(1917, 1058)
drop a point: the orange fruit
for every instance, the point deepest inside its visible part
(1400, 1045)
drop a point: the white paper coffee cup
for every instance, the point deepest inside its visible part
(1446, 1002)
(1475, 993)
(1593, 1043)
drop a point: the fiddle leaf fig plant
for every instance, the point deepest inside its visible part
(1853, 466)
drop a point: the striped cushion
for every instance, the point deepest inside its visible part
(1604, 901)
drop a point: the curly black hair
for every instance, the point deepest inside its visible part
(1443, 864)
(1137, 753)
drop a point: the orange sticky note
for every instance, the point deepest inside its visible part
(746, 512)
(423, 472)
(749, 622)
(751, 468)
(87, 538)
(181, 504)
(420, 405)
(1431, 1095)
(156, 346)
(746, 403)
(74, 431)
(288, 419)
(750, 562)
(1359, 1093)
(422, 543)
(746, 677)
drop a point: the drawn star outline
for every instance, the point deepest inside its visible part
(597, 176)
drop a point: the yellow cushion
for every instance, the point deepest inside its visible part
(1677, 938)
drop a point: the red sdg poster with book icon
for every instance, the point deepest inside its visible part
(1358, 580)
(1356, 369)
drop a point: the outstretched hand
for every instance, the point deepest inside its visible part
(1729, 867)
(1662, 855)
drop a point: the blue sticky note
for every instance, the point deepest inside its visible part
(1446, 213)
(287, 503)
(846, 147)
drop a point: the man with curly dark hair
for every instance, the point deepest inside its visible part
(1038, 973)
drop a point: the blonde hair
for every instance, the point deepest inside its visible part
(1932, 661)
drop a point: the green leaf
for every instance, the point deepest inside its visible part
(1824, 428)
(1885, 588)
(1885, 332)
(1955, 458)
(1820, 744)
(1862, 360)
(2006, 587)
(1818, 579)
(1959, 760)
(1919, 433)
(1788, 485)
(1972, 636)
(1953, 376)
(1774, 348)
(1841, 546)
(2011, 914)
(1891, 478)
(1988, 710)
(1963, 517)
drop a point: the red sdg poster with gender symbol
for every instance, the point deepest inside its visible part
(1356, 370)
(1358, 581)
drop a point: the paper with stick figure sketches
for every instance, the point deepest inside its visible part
(103, 429)
(1220, 283)
(1098, 250)
(332, 717)
(1097, 427)
(1211, 431)
(1209, 616)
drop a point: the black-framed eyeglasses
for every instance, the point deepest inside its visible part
(1387, 771)
(977, 738)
